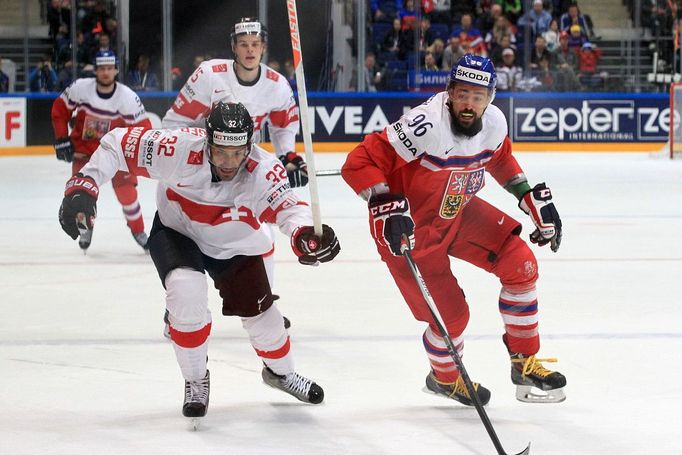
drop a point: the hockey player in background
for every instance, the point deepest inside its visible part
(420, 177)
(266, 94)
(101, 104)
(216, 190)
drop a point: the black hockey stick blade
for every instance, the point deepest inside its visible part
(526, 451)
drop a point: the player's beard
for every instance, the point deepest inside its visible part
(471, 130)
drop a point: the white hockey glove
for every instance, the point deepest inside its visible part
(537, 203)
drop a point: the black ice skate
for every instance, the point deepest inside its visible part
(196, 399)
(528, 373)
(294, 384)
(457, 390)
(141, 239)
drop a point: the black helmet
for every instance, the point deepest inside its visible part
(248, 26)
(229, 124)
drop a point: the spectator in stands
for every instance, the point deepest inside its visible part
(503, 28)
(437, 49)
(385, 10)
(65, 76)
(470, 36)
(544, 74)
(576, 37)
(290, 73)
(551, 36)
(103, 44)
(4, 79)
(508, 72)
(537, 18)
(43, 78)
(488, 18)
(425, 37)
(566, 63)
(430, 62)
(539, 52)
(111, 28)
(176, 78)
(372, 73)
(442, 12)
(274, 64)
(588, 61)
(462, 7)
(58, 13)
(407, 15)
(140, 78)
(498, 47)
(452, 53)
(394, 41)
(574, 17)
(511, 9)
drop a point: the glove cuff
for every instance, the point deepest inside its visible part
(82, 183)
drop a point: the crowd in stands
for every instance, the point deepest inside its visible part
(563, 53)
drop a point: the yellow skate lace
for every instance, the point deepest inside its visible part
(458, 387)
(532, 365)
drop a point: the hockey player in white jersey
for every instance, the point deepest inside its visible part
(216, 190)
(266, 94)
(421, 176)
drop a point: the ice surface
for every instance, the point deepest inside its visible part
(84, 368)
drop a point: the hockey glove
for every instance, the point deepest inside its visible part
(79, 206)
(311, 248)
(64, 149)
(390, 220)
(297, 170)
(537, 203)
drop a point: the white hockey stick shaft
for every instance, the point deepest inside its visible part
(328, 172)
(303, 109)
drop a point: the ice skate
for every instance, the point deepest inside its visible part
(530, 377)
(456, 390)
(294, 384)
(196, 400)
(141, 239)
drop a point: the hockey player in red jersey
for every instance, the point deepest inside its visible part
(420, 177)
(216, 191)
(266, 94)
(101, 104)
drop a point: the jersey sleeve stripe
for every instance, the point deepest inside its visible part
(190, 109)
(282, 119)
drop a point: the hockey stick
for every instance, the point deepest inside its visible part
(328, 172)
(407, 253)
(303, 104)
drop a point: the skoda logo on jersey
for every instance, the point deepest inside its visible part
(472, 76)
(229, 139)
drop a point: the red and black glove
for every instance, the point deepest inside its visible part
(80, 197)
(297, 170)
(391, 221)
(537, 203)
(311, 248)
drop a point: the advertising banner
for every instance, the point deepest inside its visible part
(13, 122)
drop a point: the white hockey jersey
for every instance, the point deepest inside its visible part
(225, 219)
(269, 100)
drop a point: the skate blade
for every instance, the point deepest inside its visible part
(530, 394)
(194, 423)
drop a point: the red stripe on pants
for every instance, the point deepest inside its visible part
(276, 354)
(190, 339)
